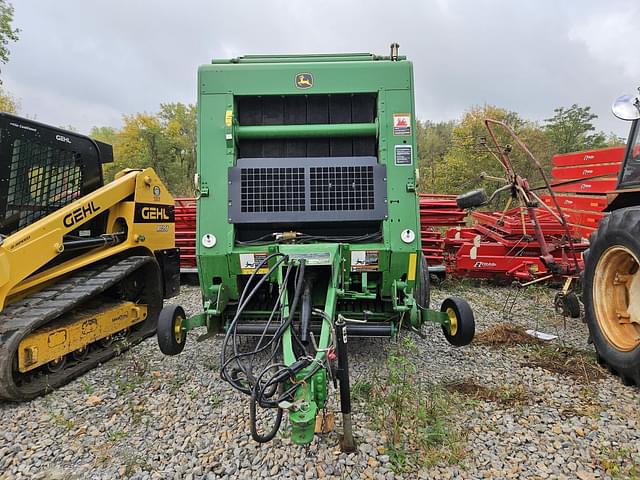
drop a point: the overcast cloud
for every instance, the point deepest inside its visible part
(86, 63)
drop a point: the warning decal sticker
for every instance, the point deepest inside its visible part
(365, 261)
(402, 124)
(249, 262)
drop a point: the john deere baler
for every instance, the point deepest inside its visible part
(308, 225)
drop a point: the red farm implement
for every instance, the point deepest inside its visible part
(186, 233)
(535, 238)
(437, 211)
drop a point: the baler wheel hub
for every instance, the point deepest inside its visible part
(177, 328)
(453, 321)
(616, 282)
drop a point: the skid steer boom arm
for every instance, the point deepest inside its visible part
(140, 214)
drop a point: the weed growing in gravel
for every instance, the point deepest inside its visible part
(216, 400)
(115, 435)
(131, 463)
(127, 384)
(413, 417)
(361, 390)
(87, 387)
(174, 384)
(136, 411)
(619, 463)
(193, 394)
(59, 420)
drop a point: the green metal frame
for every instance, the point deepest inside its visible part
(394, 284)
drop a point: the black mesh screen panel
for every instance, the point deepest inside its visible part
(41, 180)
(272, 190)
(302, 190)
(342, 188)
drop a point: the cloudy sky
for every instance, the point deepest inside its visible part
(86, 63)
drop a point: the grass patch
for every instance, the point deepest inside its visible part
(59, 420)
(414, 418)
(216, 400)
(619, 463)
(505, 334)
(508, 395)
(87, 387)
(567, 361)
(361, 390)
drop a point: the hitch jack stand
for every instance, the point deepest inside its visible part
(347, 443)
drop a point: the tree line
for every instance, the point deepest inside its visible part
(453, 154)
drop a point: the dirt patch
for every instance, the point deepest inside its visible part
(505, 394)
(505, 334)
(579, 364)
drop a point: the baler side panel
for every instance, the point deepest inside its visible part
(215, 156)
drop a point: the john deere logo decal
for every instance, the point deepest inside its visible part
(304, 80)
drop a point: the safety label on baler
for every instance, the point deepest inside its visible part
(249, 262)
(402, 124)
(404, 155)
(365, 260)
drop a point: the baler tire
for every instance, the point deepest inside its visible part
(169, 340)
(423, 290)
(462, 321)
(614, 253)
(567, 304)
(472, 199)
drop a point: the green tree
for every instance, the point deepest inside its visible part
(7, 32)
(571, 130)
(471, 150)
(434, 140)
(107, 135)
(165, 141)
(179, 125)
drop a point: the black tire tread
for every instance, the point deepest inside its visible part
(466, 321)
(166, 339)
(625, 224)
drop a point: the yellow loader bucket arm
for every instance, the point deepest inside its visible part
(33, 247)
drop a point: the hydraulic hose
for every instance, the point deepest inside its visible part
(273, 377)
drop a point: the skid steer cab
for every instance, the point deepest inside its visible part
(308, 231)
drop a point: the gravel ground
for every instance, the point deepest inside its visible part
(151, 416)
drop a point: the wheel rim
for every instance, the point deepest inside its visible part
(177, 328)
(453, 321)
(615, 282)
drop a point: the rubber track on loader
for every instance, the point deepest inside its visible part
(24, 316)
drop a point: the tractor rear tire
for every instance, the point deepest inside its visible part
(611, 293)
(171, 338)
(462, 327)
